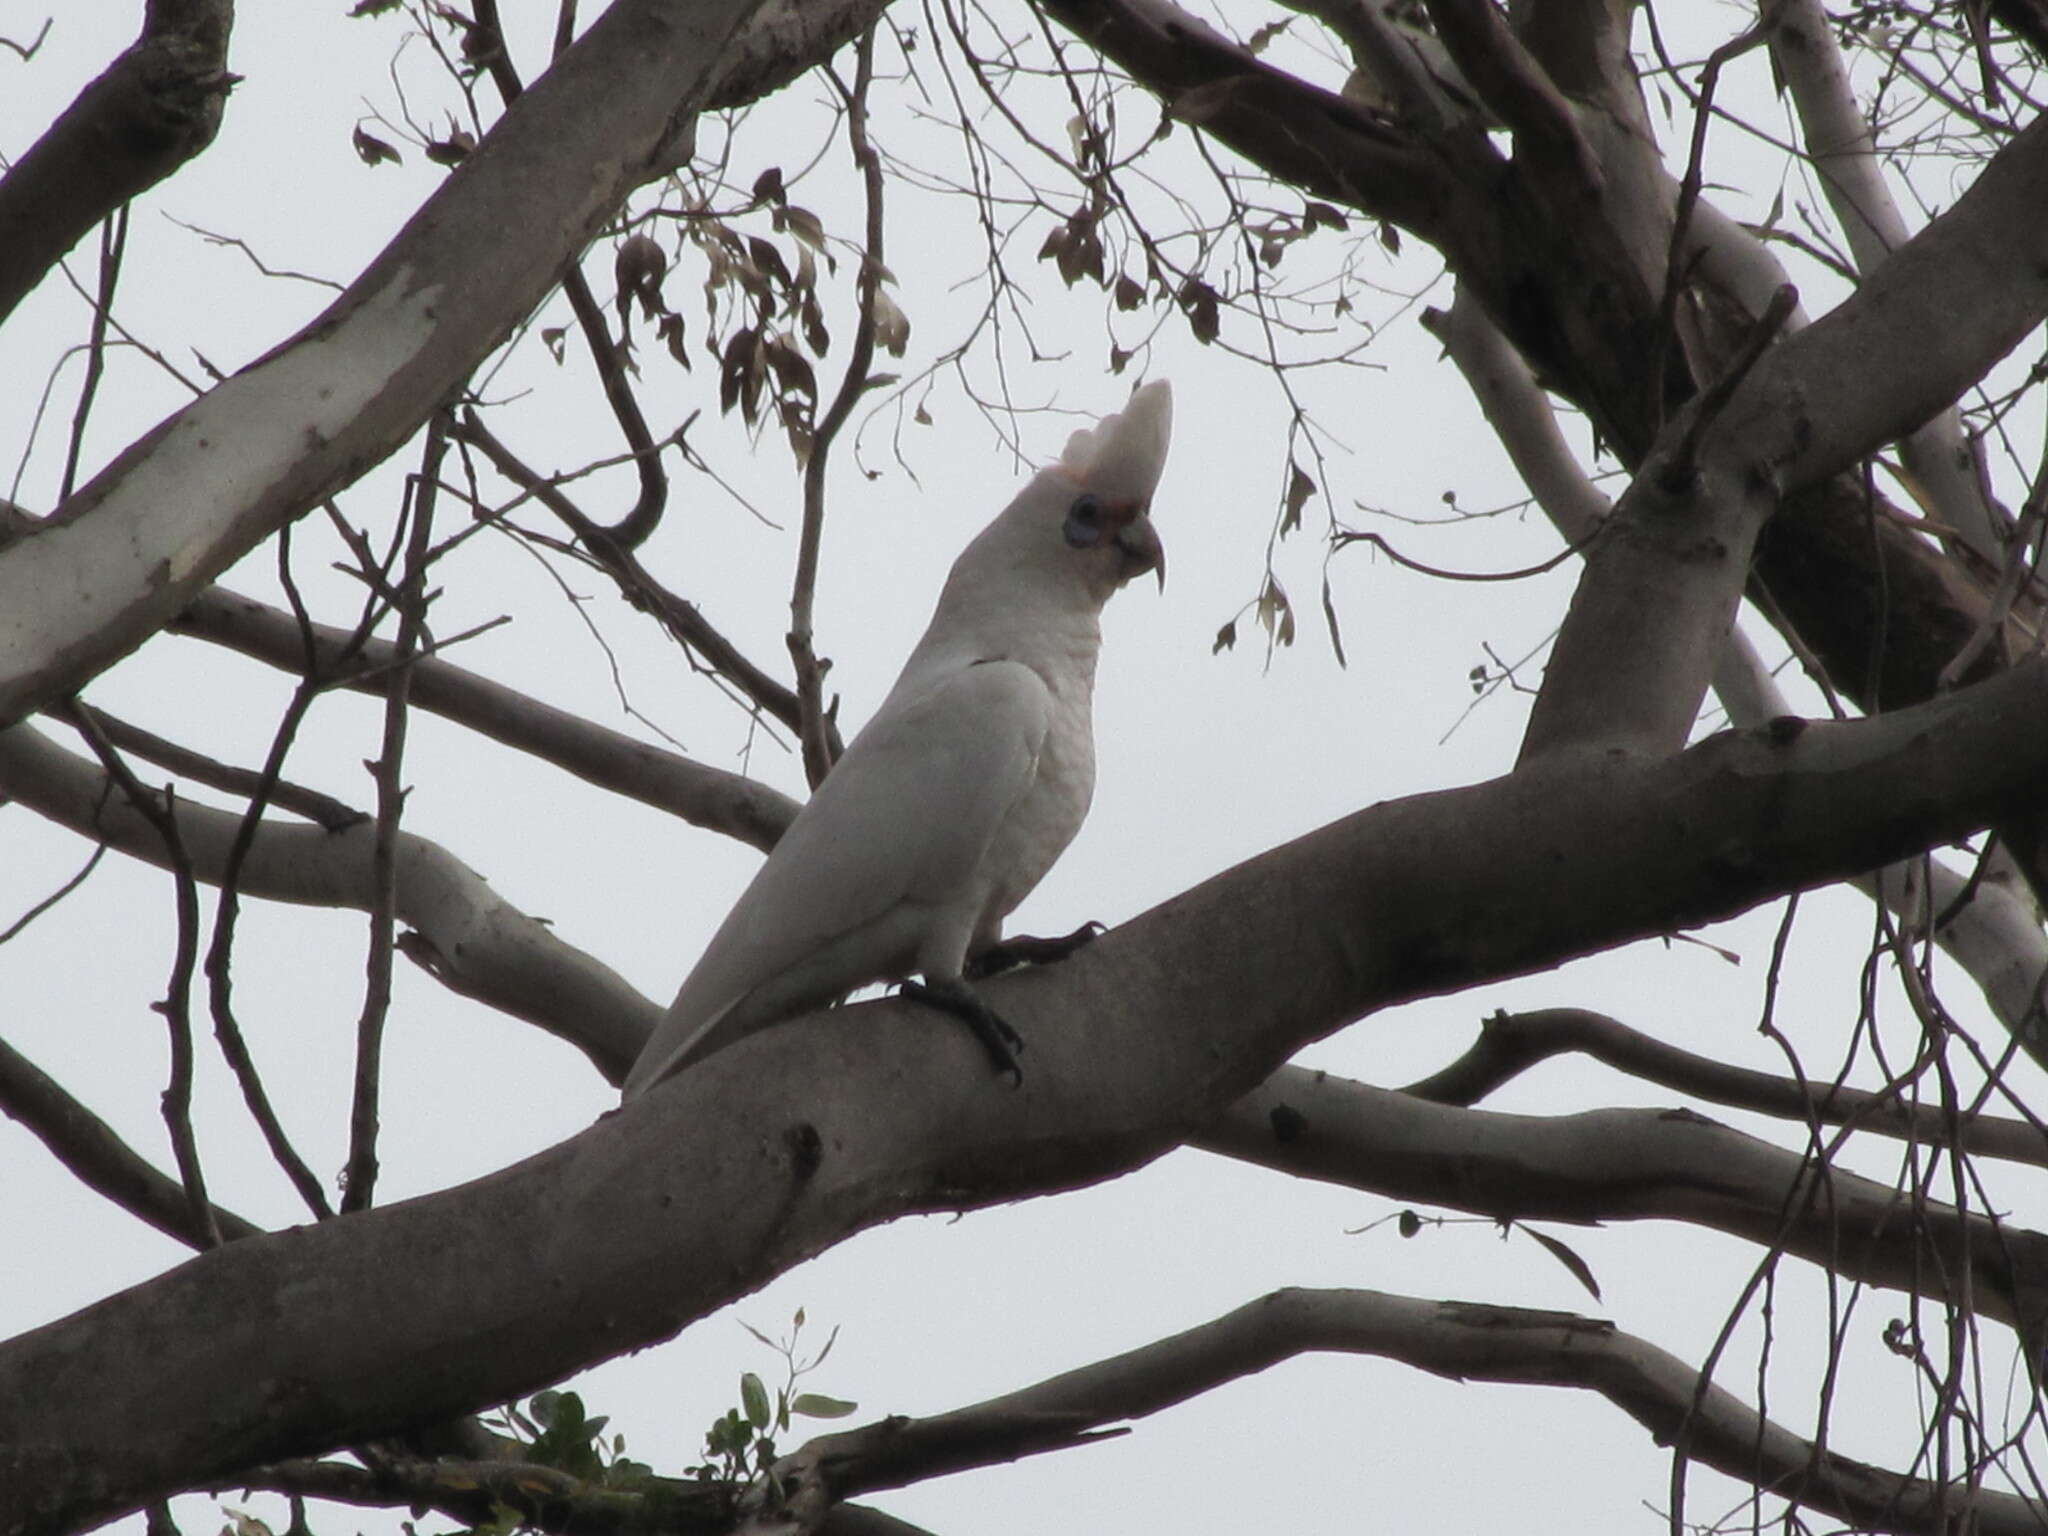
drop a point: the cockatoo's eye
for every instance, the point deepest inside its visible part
(1084, 523)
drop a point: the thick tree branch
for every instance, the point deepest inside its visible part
(130, 550)
(1632, 1164)
(1463, 1341)
(151, 110)
(1633, 658)
(1986, 925)
(470, 938)
(1883, 609)
(1514, 85)
(1315, 139)
(1841, 150)
(476, 1492)
(772, 1150)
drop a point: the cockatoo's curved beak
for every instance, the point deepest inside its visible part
(1142, 551)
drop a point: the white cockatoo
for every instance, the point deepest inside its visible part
(967, 784)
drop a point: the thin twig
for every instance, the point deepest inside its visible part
(1509, 1044)
(28, 52)
(1688, 196)
(310, 803)
(1357, 536)
(361, 1177)
(235, 242)
(113, 243)
(810, 672)
(13, 929)
(176, 1006)
(631, 530)
(227, 1029)
(101, 1160)
(682, 618)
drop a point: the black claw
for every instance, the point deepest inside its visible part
(1026, 950)
(996, 1036)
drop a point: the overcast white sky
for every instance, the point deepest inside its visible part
(1203, 761)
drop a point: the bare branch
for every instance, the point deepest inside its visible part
(819, 747)
(1463, 1341)
(704, 796)
(1986, 926)
(1509, 1044)
(299, 799)
(151, 110)
(633, 527)
(1672, 567)
(387, 771)
(1622, 1164)
(86, 1145)
(1838, 140)
(1514, 84)
(678, 615)
(470, 938)
(476, 1492)
(773, 1150)
(176, 1004)
(134, 547)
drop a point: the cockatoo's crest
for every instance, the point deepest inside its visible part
(1120, 458)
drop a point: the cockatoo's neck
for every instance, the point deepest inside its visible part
(1058, 641)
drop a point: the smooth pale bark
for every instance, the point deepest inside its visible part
(1632, 1164)
(1463, 1341)
(773, 1150)
(1987, 925)
(712, 798)
(1844, 157)
(131, 549)
(471, 939)
(1567, 279)
(1658, 598)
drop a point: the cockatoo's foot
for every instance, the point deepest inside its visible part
(957, 998)
(1026, 950)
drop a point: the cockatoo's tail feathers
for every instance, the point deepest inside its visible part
(1120, 458)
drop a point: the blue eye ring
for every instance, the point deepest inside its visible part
(1083, 527)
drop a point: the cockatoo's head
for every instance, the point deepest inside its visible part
(1112, 470)
(1081, 528)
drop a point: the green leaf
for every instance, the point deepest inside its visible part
(816, 1405)
(754, 1398)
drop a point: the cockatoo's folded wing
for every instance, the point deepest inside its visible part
(897, 829)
